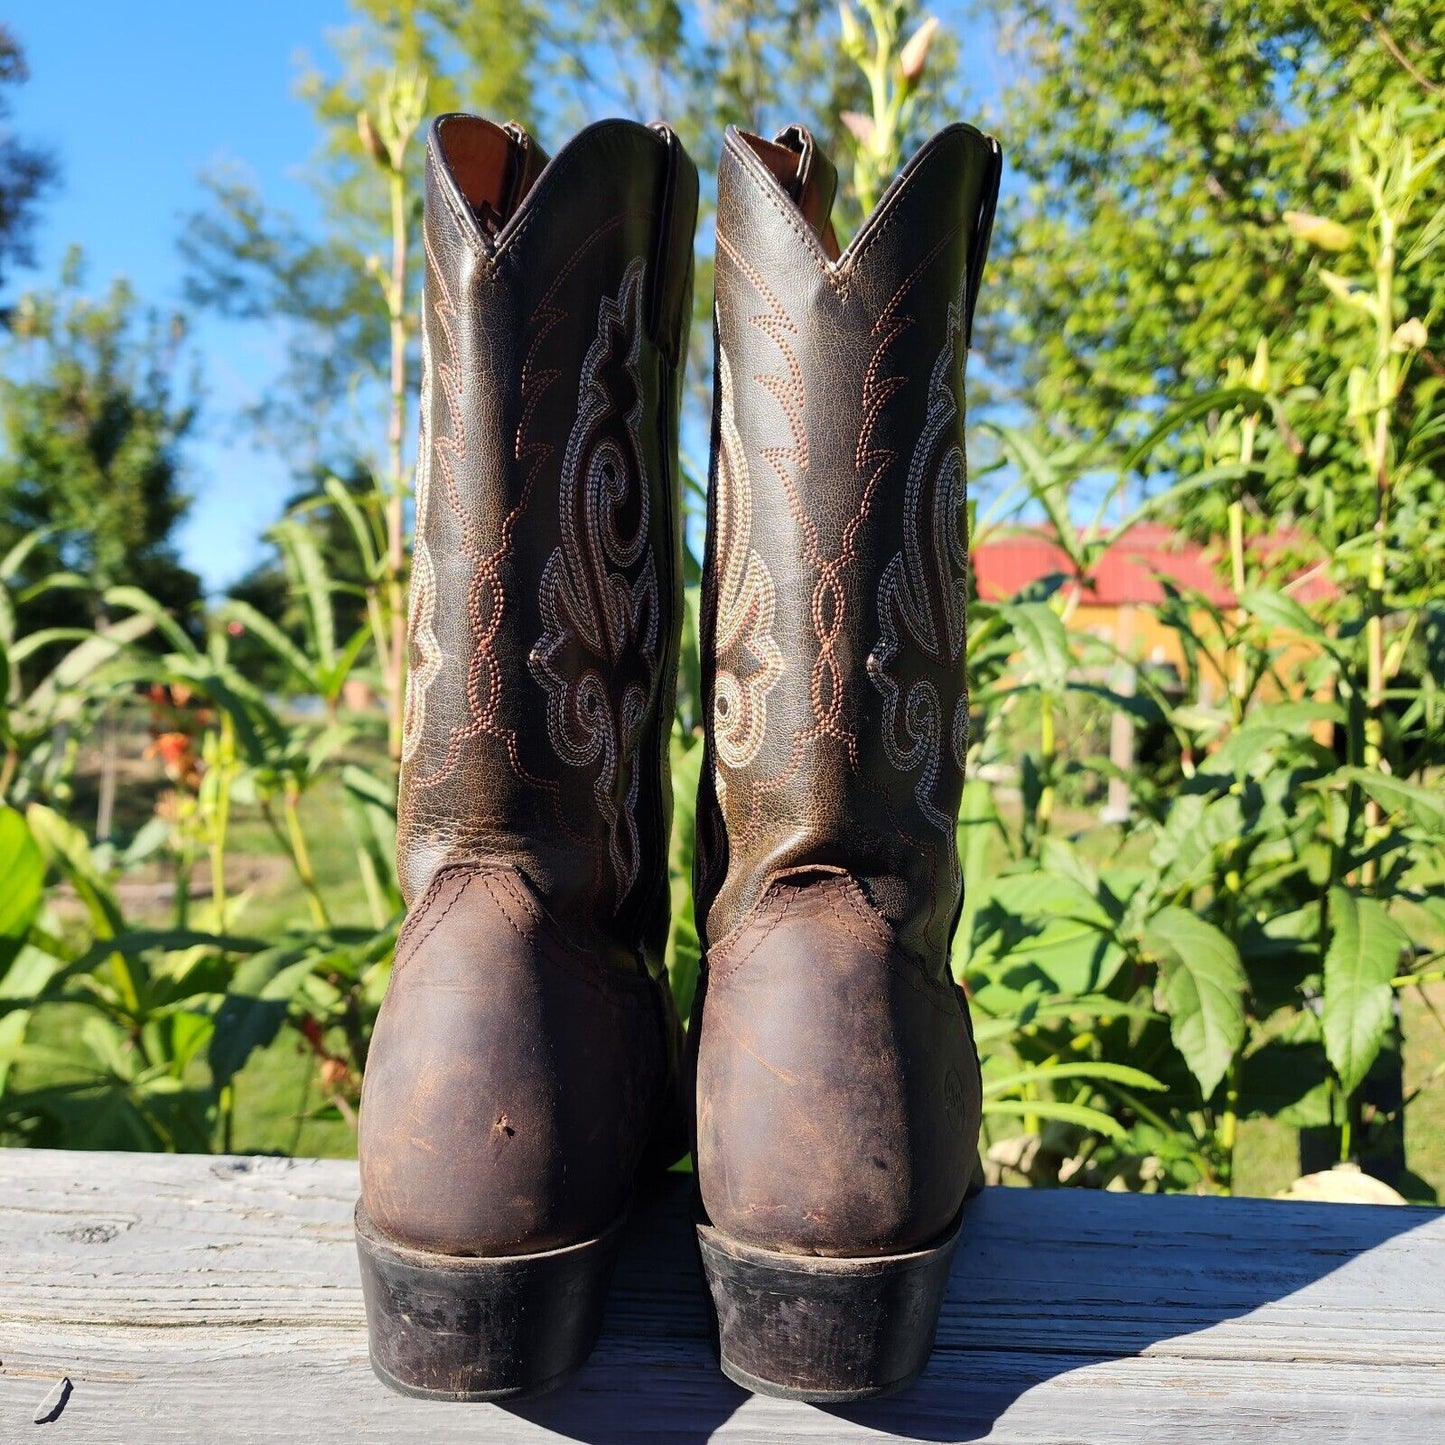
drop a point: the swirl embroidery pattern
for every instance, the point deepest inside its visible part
(425, 651)
(922, 605)
(746, 604)
(597, 658)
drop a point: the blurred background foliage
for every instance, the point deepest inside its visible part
(1204, 930)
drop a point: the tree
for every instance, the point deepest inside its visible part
(26, 172)
(93, 429)
(92, 462)
(1157, 148)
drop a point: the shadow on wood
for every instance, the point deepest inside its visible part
(1108, 1278)
(175, 1290)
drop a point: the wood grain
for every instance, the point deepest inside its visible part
(188, 1298)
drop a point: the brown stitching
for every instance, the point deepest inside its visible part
(585, 968)
(486, 600)
(570, 161)
(884, 946)
(918, 975)
(721, 969)
(763, 185)
(837, 274)
(412, 945)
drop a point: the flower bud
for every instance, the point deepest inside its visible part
(1318, 231)
(859, 126)
(370, 141)
(1409, 336)
(915, 53)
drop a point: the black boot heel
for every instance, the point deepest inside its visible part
(450, 1327)
(804, 1327)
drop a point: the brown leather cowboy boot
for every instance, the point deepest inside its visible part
(838, 1091)
(525, 1062)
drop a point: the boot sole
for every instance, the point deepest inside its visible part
(825, 1330)
(453, 1327)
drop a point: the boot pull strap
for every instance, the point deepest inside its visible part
(676, 222)
(982, 233)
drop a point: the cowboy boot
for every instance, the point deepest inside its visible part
(838, 1089)
(525, 1062)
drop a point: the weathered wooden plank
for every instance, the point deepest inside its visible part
(191, 1298)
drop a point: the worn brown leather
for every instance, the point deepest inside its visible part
(527, 1049)
(837, 1083)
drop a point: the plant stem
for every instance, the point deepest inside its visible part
(1048, 757)
(220, 822)
(301, 857)
(1239, 663)
(1229, 1125)
(1379, 457)
(395, 670)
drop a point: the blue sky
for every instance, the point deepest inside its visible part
(137, 102)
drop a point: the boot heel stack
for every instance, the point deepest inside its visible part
(802, 1327)
(449, 1327)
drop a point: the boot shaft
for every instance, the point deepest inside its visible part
(546, 588)
(834, 607)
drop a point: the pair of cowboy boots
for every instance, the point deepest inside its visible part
(528, 1064)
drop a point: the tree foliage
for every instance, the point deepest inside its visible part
(323, 283)
(26, 172)
(96, 407)
(1159, 147)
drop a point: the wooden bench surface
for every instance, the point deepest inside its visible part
(203, 1299)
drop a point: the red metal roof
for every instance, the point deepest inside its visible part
(1128, 573)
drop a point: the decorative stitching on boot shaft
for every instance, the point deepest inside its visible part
(599, 593)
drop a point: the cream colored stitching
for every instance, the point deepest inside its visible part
(591, 607)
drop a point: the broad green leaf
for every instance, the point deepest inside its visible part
(1424, 806)
(684, 950)
(1049, 895)
(22, 884)
(1276, 610)
(67, 849)
(1042, 641)
(1202, 984)
(12, 1039)
(1192, 834)
(133, 943)
(1073, 957)
(979, 829)
(29, 973)
(1288, 1081)
(1366, 946)
(253, 1011)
